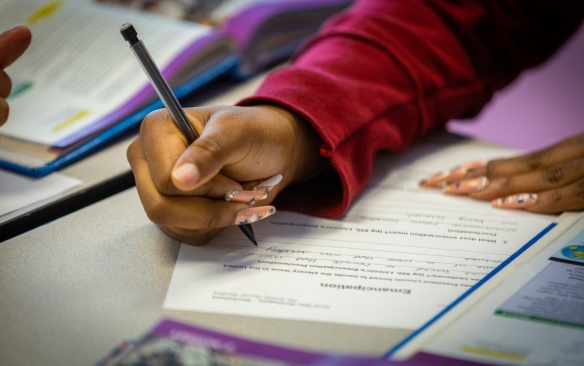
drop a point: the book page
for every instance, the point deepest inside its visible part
(399, 255)
(211, 12)
(78, 69)
(534, 316)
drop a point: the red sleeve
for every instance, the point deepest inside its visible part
(384, 73)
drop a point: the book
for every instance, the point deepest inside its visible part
(528, 311)
(78, 86)
(172, 342)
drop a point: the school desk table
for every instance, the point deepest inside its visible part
(72, 290)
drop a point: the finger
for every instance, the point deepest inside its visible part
(13, 43)
(162, 144)
(191, 213)
(214, 148)
(537, 181)
(569, 149)
(181, 212)
(441, 179)
(192, 237)
(5, 84)
(247, 143)
(568, 198)
(4, 109)
(258, 193)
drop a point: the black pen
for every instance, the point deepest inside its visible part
(167, 96)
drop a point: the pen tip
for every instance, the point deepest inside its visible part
(248, 231)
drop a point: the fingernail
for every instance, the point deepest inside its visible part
(187, 174)
(250, 197)
(455, 174)
(467, 186)
(258, 193)
(522, 200)
(251, 215)
(270, 182)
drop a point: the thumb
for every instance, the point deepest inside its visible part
(207, 155)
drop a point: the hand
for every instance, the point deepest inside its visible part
(184, 188)
(13, 43)
(547, 181)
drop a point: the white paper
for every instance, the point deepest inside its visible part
(398, 256)
(17, 191)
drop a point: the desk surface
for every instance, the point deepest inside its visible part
(72, 289)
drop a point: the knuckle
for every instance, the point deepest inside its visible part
(554, 175)
(556, 197)
(214, 220)
(132, 150)
(496, 168)
(504, 183)
(156, 211)
(491, 168)
(152, 120)
(535, 161)
(164, 184)
(578, 190)
(211, 147)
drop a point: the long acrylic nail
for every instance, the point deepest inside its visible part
(467, 186)
(250, 197)
(258, 193)
(251, 215)
(522, 200)
(270, 182)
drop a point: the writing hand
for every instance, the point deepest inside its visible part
(547, 181)
(183, 188)
(13, 43)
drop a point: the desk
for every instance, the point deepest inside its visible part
(107, 171)
(72, 289)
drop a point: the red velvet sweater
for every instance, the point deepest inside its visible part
(384, 73)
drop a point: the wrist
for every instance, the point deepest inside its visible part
(305, 159)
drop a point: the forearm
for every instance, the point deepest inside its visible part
(385, 73)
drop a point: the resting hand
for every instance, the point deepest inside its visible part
(183, 188)
(547, 181)
(13, 43)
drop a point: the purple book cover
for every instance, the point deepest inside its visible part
(174, 343)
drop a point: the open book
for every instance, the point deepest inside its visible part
(79, 86)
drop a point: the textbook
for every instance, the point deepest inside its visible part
(528, 311)
(172, 342)
(79, 86)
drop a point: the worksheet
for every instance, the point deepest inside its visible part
(398, 256)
